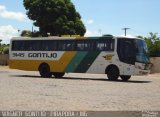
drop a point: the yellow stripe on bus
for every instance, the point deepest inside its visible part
(63, 62)
(32, 65)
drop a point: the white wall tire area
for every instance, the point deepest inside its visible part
(44, 70)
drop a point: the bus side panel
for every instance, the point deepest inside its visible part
(28, 65)
(87, 61)
(81, 62)
(75, 62)
(60, 65)
(102, 61)
(100, 64)
(32, 65)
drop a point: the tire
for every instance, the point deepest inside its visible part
(44, 71)
(58, 74)
(113, 73)
(125, 77)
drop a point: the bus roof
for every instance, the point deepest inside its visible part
(41, 38)
(70, 38)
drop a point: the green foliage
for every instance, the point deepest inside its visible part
(1, 48)
(6, 50)
(26, 33)
(57, 17)
(153, 43)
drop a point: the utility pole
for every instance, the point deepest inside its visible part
(100, 32)
(125, 30)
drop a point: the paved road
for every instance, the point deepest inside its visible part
(20, 90)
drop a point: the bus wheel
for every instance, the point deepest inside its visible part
(112, 73)
(125, 77)
(44, 70)
(58, 74)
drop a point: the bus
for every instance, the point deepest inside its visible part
(111, 55)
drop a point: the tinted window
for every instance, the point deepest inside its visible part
(85, 45)
(47, 45)
(64, 45)
(105, 45)
(126, 50)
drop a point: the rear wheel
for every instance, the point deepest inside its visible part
(125, 77)
(44, 70)
(113, 73)
(58, 74)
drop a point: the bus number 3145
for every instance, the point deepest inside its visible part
(18, 55)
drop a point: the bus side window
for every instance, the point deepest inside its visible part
(105, 45)
(79, 45)
(37, 45)
(61, 45)
(15, 45)
(47, 47)
(85, 45)
(100, 46)
(30, 45)
(22, 46)
(53, 46)
(70, 44)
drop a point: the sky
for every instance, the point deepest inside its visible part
(99, 16)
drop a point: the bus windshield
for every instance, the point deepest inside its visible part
(141, 52)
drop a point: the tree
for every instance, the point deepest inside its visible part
(57, 17)
(153, 44)
(26, 33)
(6, 50)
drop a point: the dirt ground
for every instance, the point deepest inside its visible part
(22, 90)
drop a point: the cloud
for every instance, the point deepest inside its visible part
(2, 8)
(90, 33)
(4, 13)
(7, 32)
(90, 21)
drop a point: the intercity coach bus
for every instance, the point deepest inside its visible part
(111, 55)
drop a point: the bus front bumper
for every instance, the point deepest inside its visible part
(141, 72)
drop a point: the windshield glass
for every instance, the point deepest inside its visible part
(141, 51)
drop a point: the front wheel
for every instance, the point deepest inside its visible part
(58, 74)
(125, 77)
(113, 73)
